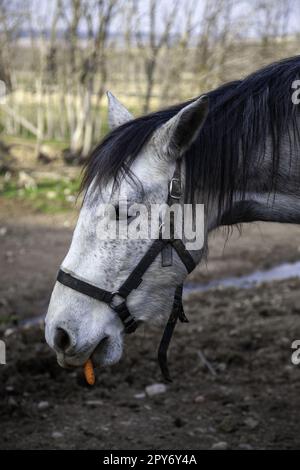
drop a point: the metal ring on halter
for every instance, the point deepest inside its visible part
(175, 192)
(113, 296)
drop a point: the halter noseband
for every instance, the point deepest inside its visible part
(117, 300)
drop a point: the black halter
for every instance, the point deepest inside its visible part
(117, 300)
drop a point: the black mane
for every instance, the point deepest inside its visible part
(242, 114)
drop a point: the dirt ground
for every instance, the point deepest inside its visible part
(250, 400)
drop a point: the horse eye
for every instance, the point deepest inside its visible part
(117, 210)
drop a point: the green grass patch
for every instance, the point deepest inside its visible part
(46, 196)
(8, 319)
(31, 140)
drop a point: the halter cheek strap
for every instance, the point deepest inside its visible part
(118, 300)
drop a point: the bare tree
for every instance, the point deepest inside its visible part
(272, 20)
(176, 59)
(161, 51)
(12, 16)
(220, 30)
(151, 43)
(87, 68)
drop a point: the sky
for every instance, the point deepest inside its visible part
(42, 12)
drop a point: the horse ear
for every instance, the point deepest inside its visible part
(177, 135)
(117, 113)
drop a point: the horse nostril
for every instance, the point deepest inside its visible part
(100, 349)
(103, 341)
(62, 340)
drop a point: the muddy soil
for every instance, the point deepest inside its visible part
(248, 399)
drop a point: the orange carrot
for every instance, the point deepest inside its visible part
(88, 369)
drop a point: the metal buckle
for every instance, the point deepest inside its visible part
(114, 295)
(131, 325)
(175, 193)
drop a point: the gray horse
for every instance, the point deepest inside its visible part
(238, 149)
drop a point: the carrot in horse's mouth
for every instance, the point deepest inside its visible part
(89, 374)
